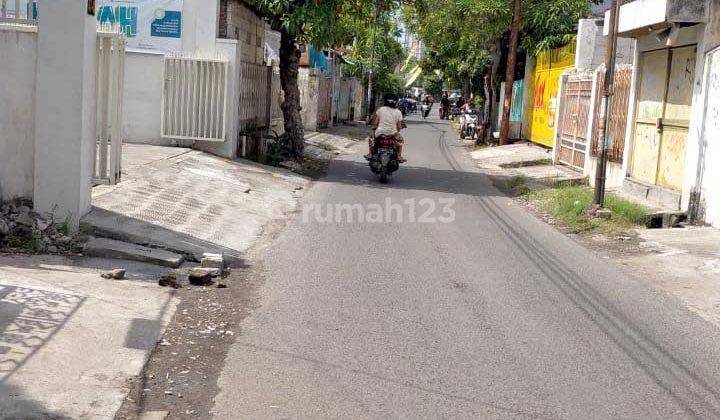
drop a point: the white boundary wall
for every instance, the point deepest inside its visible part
(144, 79)
(18, 49)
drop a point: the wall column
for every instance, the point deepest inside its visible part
(65, 109)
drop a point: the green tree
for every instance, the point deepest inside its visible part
(467, 38)
(326, 23)
(380, 52)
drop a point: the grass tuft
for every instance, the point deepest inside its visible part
(569, 204)
(516, 182)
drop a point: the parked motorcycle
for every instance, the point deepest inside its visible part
(384, 160)
(470, 124)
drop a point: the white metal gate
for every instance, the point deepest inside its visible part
(110, 62)
(19, 11)
(194, 98)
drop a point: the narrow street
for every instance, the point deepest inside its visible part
(492, 315)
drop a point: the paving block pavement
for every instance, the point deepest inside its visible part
(192, 202)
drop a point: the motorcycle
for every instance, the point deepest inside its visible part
(445, 112)
(412, 107)
(455, 113)
(384, 160)
(425, 109)
(469, 128)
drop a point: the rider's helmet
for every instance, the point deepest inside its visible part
(390, 99)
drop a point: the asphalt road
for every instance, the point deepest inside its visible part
(491, 315)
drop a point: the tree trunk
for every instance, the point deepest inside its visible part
(289, 65)
(487, 88)
(510, 72)
(487, 129)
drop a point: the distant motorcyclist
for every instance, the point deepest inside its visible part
(388, 121)
(466, 110)
(444, 106)
(403, 106)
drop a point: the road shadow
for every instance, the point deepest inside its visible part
(29, 318)
(415, 178)
(15, 406)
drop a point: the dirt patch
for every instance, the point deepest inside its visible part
(181, 374)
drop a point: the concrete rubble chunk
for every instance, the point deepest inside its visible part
(155, 415)
(42, 224)
(109, 248)
(212, 260)
(203, 271)
(200, 279)
(169, 281)
(25, 219)
(116, 274)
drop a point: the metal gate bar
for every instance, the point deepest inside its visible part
(110, 65)
(574, 121)
(194, 98)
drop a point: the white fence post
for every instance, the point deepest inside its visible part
(65, 111)
(110, 64)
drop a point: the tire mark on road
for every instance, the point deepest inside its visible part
(692, 393)
(696, 396)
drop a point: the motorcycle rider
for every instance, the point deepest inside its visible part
(465, 111)
(388, 121)
(444, 106)
(403, 105)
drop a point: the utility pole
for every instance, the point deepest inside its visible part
(372, 63)
(510, 72)
(606, 104)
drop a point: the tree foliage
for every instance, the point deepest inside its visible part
(322, 23)
(463, 37)
(387, 55)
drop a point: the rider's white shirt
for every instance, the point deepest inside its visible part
(388, 119)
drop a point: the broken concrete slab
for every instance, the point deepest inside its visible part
(110, 248)
(192, 203)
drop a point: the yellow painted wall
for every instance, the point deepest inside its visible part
(546, 79)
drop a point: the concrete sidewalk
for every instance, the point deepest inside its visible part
(192, 202)
(684, 263)
(522, 159)
(69, 339)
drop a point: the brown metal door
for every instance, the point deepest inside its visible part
(574, 119)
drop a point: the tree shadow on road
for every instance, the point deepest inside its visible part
(413, 178)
